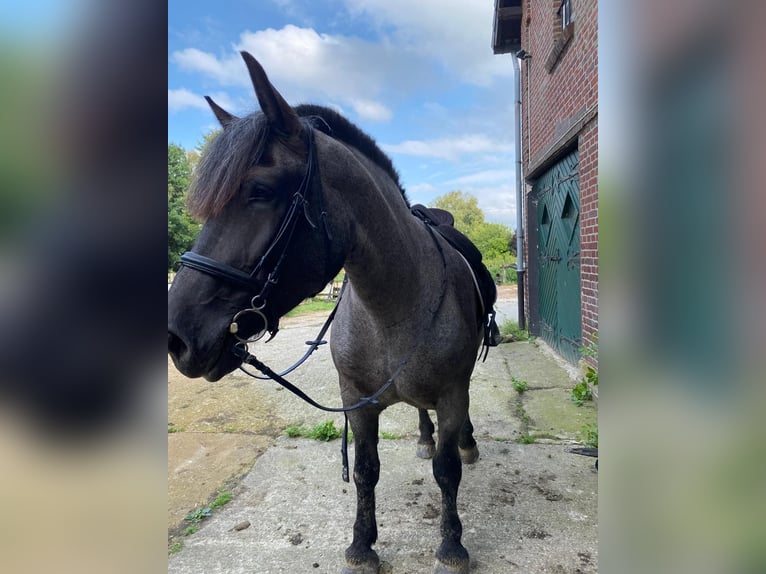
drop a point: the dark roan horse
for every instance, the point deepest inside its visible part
(290, 196)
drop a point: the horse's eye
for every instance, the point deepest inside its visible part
(258, 192)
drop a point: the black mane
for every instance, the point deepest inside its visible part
(232, 153)
(345, 131)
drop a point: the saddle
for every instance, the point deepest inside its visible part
(443, 223)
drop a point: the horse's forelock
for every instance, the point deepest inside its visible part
(224, 165)
(237, 148)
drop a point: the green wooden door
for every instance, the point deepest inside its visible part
(558, 252)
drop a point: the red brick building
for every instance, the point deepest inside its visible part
(556, 42)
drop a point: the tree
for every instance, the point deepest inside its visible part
(493, 240)
(182, 229)
(464, 207)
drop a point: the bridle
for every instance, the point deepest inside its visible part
(276, 251)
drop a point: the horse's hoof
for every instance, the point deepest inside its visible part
(469, 455)
(441, 568)
(363, 563)
(426, 450)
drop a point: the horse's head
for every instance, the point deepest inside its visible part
(264, 245)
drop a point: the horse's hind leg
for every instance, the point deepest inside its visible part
(426, 444)
(469, 452)
(360, 557)
(451, 557)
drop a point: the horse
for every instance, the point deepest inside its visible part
(289, 197)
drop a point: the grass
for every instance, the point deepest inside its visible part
(172, 428)
(294, 431)
(197, 515)
(518, 385)
(511, 329)
(589, 434)
(176, 547)
(388, 435)
(524, 420)
(324, 432)
(581, 393)
(223, 498)
(311, 305)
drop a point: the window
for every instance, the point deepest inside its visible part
(565, 11)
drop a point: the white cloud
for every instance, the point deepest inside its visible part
(183, 98)
(229, 72)
(424, 191)
(455, 32)
(485, 177)
(497, 202)
(305, 64)
(449, 149)
(373, 111)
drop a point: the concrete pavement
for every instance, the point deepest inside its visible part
(528, 508)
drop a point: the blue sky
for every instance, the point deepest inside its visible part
(418, 76)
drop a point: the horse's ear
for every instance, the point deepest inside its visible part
(224, 117)
(279, 113)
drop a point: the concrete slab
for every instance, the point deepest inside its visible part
(525, 508)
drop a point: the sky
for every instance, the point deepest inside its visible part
(418, 76)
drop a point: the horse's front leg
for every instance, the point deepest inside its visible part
(360, 557)
(451, 557)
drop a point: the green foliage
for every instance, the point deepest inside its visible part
(518, 385)
(176, 547)
(503, 267)
(591, 350)
(294, 431)
(388, 435)
(310, 305)
(526, 439)
(223, 498)
(325, 431)
(511, 329)
(589, 434)
(464, 207)
(591, 376)
(581, 393)
(182, 229)
(198, 514)
(172, 428)
(491, 239)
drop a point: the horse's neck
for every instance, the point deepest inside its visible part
(384, 261)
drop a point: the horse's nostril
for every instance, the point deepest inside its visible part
(176, 346)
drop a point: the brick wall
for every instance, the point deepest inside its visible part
(559, 110)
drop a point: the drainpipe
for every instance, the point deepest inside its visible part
(519, 190)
